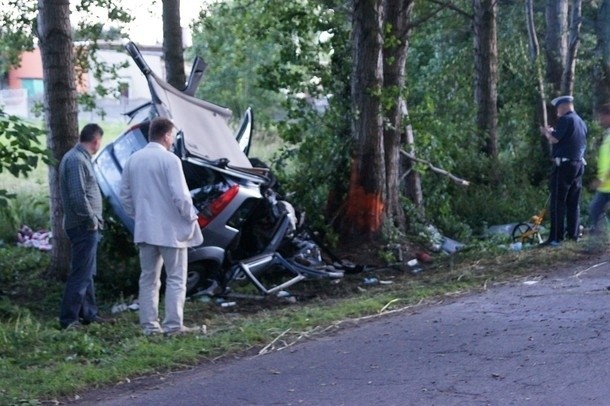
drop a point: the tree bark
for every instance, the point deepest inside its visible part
(534, 49)
(413, 188)
(486, 75)
(556, 43)
(61, 112)
(602, 53)
(365, 206)
(173, 50)
(398, 15)
(567, 78)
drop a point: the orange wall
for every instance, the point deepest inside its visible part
(31, 68)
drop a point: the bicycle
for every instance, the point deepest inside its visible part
(530, 232)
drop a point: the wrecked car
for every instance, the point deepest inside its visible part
(249, 230)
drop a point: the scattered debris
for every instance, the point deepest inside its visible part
(516, 246)
(450, 246)
(34, 239)
(414, 266)
(423, 257)
(122, 307)
(440, 243)
(499, 230)
(370, 281)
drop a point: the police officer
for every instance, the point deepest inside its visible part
(568, 141)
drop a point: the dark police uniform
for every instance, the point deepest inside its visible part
(566, 178)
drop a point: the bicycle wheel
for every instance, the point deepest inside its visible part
(523, 232)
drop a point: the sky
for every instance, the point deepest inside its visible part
(147, 27)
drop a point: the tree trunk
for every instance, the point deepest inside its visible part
(398, 14)
(364, 205)
(534, 49)
(61, 111)
(413, 188)
(556, 43)
(567, 79)
(602, 53)
(173, 51)
(486, 75)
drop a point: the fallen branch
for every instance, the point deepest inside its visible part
(270, 345)
(433, 168)
(319, 330)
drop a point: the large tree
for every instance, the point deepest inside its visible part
(396, 40)
(534, 54)
(563, 23)
(556, 42)
(61, 111)
(173, 49)
(602, 53)
(367, 187)
(575, 22)
(486, 75)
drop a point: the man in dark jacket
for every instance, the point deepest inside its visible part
(82, 202)
(568, 141)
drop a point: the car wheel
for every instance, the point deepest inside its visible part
(200, 276)
(193, 279)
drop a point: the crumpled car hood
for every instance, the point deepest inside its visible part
(206, 132)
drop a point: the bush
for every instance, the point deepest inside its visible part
(18, 263)
(118, 263)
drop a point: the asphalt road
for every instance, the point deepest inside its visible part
(536, 341)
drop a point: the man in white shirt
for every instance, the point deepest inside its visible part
(155, 194)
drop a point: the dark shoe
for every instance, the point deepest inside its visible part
(550, 243)
(100, 320)
(75, 325)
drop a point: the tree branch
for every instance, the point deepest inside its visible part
(459, 181)
(453, 7)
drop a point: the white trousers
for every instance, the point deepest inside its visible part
(152, 259)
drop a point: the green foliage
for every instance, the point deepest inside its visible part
(20, 149)
(224, 39)
(16, 32)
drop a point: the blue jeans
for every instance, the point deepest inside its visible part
(597, 211)
(79, 295)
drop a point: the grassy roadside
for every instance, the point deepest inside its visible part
(39, 363)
